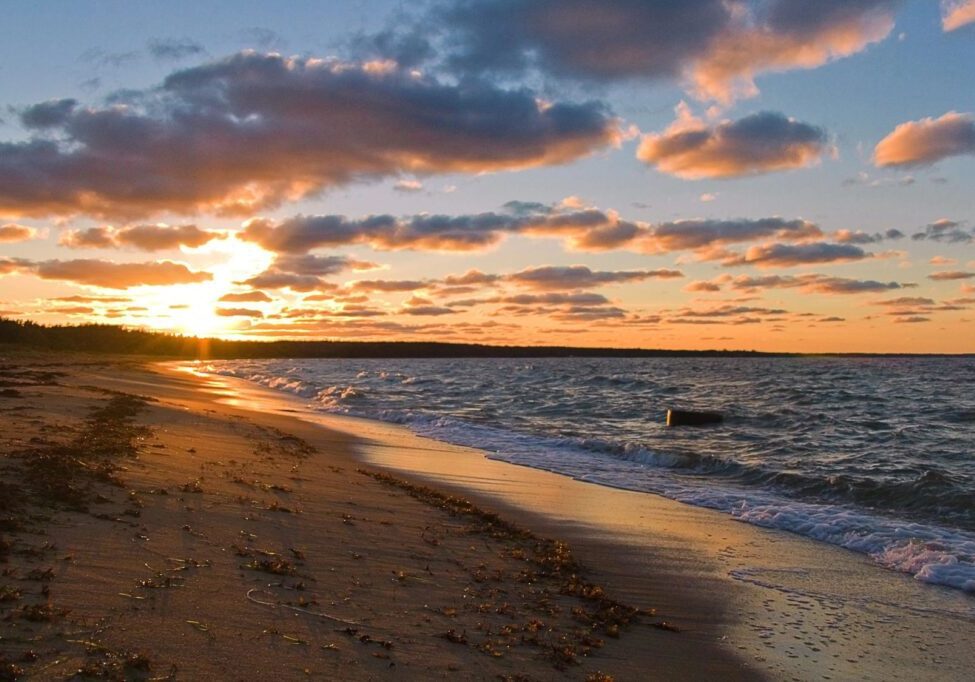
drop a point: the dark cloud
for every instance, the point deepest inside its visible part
(949, 276)
(50, 114)
(386, 285)
(717, 47)
(860, 237)
(761, 143)
(945, 231)
(704, 234)
(577, 313)
(586, 229)
(577, 298)
(581, 277)
(790, 255)
(320, 266)
(175, 49)
(905, 301)
(275, 279)
(304, 272)
(591, 39)
(921, 143)
(253, 130)
(428, 310)
(815, 284)
(90, 238)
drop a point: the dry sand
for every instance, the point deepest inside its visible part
(151, 530)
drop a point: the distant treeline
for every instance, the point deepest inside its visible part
(103, 338)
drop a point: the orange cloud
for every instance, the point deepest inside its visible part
(108, 275)
(793, 34)
(919, 143)
(757, 144)
(143, 237)
(238, 312)
(12, 232)
(957, 13)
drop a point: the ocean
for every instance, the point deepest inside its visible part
(876, 455)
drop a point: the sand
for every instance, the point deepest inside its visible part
(222, 531)
(151, 530)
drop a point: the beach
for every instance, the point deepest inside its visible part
(160, 524)
(227, 543)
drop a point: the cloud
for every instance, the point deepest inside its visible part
(791, 255)
(945, 231)
(860, 237)
(950, 275)
(320, 266)
(143, 237)
(246, 297)
(387, 285)
(238, 312)
(905, 301)
(581, 298)
(304, 272)
(428, 310)
(581, 277)
(920, 143)
(11, 232)
(408, 186)
(704, 234)
(72, 310)
(108, 275)
(815, 284)
(175, 49)
(583, 229)
(716, 47)
(587, 39)
(782, 35)
(253, 130)
(92, 299)
(702, 286)
(957, 13)
(274, 279)
(760, 143)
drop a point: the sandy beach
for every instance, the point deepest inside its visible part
(151, 530)
(161, 525)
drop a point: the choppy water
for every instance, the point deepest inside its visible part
(876, 455)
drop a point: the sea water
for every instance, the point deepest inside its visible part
(873, 454)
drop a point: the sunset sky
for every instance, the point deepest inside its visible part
(740, 174)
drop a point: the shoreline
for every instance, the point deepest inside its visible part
(797, 607)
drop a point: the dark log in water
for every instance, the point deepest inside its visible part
(692, 418)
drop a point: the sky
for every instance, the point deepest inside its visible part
(776, 175)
